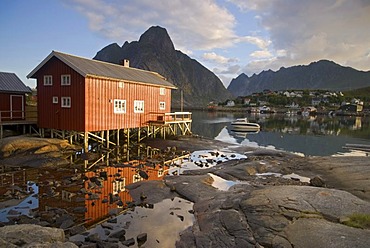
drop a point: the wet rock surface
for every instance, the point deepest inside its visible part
(27, 235)
(276, 211)
(268, 205)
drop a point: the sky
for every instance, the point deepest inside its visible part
(229, 37)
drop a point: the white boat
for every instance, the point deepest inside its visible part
(244, 125)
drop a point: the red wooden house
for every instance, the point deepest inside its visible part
(87, 95)
(12, 97)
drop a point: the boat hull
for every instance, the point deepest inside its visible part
(245, 127)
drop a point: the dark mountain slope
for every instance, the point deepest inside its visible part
(323, 74)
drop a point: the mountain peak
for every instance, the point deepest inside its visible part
(157, 37)
(155, 52)
(322, 74)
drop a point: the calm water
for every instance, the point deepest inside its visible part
(315, 136)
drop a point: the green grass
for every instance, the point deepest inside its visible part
(363, 92)
(359, 221)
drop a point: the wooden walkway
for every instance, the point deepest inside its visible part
(26, 118)
(171, 123)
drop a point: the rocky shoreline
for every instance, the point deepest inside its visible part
(267, 205)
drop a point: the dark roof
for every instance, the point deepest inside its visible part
(9, 82)
(89, 67)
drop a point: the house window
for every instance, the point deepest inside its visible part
(162, 91)
(162, 105)
(65, 79)
(119, 186)
(48, 80)
(55, 99)
(138, 106)
(121, 85)
(119, 106)
(66, 102)
(137, 178)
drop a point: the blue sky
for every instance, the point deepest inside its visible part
(229, 37)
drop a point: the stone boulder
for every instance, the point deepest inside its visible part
(29, 235)
(21, 144)
(304, 216)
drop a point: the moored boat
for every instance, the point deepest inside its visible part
(244, 125)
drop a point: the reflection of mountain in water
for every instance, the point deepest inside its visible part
(313, 145)
(317, 135)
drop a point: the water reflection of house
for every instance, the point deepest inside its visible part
(99, 193)
(352, 107)
(113, 193)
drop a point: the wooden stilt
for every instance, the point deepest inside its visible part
(107, 139)
(86, 142)
(118, 137)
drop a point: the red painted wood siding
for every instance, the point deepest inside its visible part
(52, 115)
(100, 96)
(5, 106)
(92, 101)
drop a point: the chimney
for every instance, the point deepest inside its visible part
(126, 63)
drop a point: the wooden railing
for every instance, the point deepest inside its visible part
(29, 114)
(171, 117)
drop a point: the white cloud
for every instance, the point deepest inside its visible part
(312, 30)
(261, 54)
(192, 24)
(298, 32)
(251, 4)
(213, 57)
(259, 42)
(231, 70)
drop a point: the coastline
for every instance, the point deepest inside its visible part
(244, 214)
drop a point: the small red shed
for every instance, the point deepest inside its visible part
(12, 97)
(87, 95)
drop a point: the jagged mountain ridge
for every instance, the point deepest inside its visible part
(155, 52)
(323, 74)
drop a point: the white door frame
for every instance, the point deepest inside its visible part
(11, 105)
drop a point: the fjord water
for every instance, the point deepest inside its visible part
(319, 135)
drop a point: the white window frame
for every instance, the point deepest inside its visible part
(65, 101)
(55, 99)
(137, 178)
(119, 186)
(162, 91)
(121, 84)
(119, 106)
(162, 105)
(65, 79)
(138, 106)
(48, 80)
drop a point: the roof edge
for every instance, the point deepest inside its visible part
(134, 82)
(53, 54)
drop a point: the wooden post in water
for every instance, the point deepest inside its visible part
(107, 139)
(86, 142)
